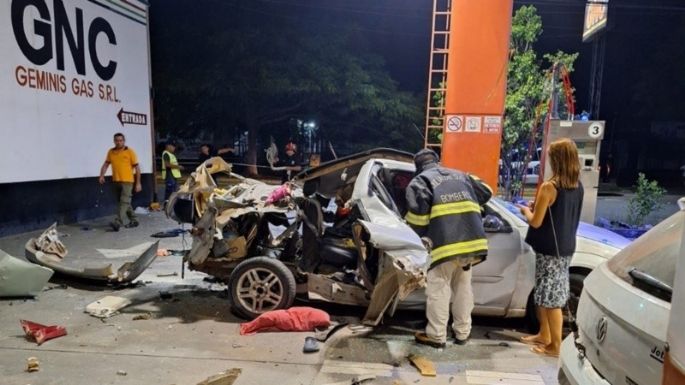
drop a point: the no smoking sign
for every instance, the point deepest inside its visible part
(455, 123)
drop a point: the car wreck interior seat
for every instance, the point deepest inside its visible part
(318, 249)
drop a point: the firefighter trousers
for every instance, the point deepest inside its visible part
(449, 282)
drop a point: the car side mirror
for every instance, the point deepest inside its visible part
(492, 224)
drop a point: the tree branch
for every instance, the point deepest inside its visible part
(280, 114)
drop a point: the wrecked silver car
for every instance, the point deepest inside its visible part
(333, 234)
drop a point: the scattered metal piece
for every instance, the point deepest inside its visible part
(121, 373)
(324, 335)
(227, 377)
(174, 274)
(355, 380)
(143, 317)
(21, 279)
(32, 364)
(62, 286)
(47, 250)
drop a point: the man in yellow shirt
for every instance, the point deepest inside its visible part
(124, 161)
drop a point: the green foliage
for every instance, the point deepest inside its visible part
(220, 68)
(647, 199)
(528, 89)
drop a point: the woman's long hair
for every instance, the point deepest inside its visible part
(563, 156)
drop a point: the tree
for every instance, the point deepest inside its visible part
(262, 74)
(528, 90)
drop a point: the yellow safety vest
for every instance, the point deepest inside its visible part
(176, 173)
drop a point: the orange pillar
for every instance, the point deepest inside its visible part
(476, 86)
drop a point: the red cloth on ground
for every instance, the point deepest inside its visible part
(294, 319)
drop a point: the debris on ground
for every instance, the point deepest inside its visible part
(168, 233)
(424, 365)
(121, 373)
(107, 306)
(20, 278)
(227, 377)
(155, 206)
(354, 380)
(236, 346)
(174, 274)
(294, 319)
(47, 250)
(32, 364)
(311, 345)
(143, 317)
(163, 253)
(62, 286)
(141, 211)
(41, 333)
(322, 335)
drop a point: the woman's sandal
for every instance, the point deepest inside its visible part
(541, 351)
(528, 340)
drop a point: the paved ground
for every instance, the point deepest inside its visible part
(193, 334)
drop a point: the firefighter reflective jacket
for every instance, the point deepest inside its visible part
(445, 206)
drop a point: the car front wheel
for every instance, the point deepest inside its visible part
(261, 284)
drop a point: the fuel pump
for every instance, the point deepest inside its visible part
(588, 137)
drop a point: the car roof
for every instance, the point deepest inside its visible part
(350, 160)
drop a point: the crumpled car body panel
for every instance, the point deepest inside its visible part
(21, 279)
(126, 273)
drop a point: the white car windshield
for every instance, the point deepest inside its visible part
(649, 262)
(511, 208)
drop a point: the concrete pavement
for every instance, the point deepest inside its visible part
(193, 334)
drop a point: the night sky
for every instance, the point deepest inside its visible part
(639, 40)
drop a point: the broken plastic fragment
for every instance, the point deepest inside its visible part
(41, 333)
(32, 364)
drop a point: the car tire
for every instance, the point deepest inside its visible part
(261, 284)
(576, 281)
(531, 317)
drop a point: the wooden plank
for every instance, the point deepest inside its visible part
(424, 365)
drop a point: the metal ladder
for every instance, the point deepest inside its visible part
(437, 74)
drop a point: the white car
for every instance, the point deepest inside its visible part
(623, 313)
(345, 262)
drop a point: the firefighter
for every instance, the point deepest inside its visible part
(444, 208)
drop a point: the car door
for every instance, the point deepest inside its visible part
(402, 256)
(495, 279)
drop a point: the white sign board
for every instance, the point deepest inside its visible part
(473, 124)
(72, 73)
(595, 130)
(492, 124)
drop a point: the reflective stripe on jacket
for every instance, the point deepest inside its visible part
(445, 206)
(175, 172)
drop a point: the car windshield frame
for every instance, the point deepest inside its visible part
(648, 263)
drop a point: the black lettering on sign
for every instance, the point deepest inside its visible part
(62, 29)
